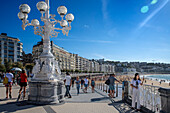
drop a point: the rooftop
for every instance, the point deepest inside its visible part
(4, 35)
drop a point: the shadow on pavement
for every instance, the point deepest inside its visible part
(15, 106)
(121, 106)
(7, 99)
(99, 99)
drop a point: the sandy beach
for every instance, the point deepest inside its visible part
(122, 78)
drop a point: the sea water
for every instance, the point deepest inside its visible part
(159, 77)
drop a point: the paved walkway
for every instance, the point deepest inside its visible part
(97, 102)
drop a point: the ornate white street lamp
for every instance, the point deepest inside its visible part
(47, 30)
(46, 67)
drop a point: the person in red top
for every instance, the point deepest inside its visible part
(23, 83)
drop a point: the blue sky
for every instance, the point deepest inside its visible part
(119, 30)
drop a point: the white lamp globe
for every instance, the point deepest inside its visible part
(69, 17)
(42, 6)
(62, 10)
(63, 23)
(24, 8)
(35, 22)
(21, 15)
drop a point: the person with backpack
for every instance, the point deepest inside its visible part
(92, 85)
(8, 80)
(136, 81)
(112, 80)
(23, 83)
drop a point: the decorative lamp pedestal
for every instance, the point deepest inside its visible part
(45, 92)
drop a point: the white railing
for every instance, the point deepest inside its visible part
(105, 88)
(149, 97)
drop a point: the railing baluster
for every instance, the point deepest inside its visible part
(117, 90)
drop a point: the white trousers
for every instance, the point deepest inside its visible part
(136, 96)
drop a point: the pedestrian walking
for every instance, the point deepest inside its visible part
(67, 82)
(23, 83)
(136, 81)
(92, 85)
(14, 79)
(18, 78)
(78, 85)
(9, 78)
(82, 83)
(112, 80)
(73, 82)
(86, 84)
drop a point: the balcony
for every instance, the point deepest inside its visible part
(10, 49)
(11, 53)
(11, 57)
(11, 45)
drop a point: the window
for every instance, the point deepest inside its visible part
(11, 52)
(5, 51)
(12, 57)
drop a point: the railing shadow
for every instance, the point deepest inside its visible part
(121, 106)
(99, 99)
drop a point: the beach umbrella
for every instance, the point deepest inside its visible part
(16, 69)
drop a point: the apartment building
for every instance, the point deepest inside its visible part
(10, 48)
(65, 59)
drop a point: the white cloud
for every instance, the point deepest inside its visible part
(99, 56)
(86, 26)
(104, 9)
(91, 41)
(112, 32)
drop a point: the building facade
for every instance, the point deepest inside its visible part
(68, 61)
(10, 48)
(65, 59)
(27, 58)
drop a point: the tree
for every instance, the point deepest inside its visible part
(2, 67)
(0, 60)
(8, 64)
(18, 64)
(76, 70)
(29, 67)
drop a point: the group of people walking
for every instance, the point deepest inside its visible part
(80, 83)
(83, 83)
(8, 82)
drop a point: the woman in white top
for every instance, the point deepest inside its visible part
(136, 90)
(86, 83)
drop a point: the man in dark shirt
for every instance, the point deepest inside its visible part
(82, 83)
(112, 80)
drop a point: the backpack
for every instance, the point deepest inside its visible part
(107, 82)
(5, 81)
(92, 83)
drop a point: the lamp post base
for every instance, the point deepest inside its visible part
(45, 92)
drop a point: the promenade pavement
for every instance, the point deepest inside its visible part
(97, 102)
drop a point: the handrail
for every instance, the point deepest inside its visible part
(105, 88)
(149, 96)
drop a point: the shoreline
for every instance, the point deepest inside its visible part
(157, 79)
(147, 81)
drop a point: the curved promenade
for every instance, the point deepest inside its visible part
(97, 102)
